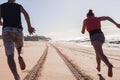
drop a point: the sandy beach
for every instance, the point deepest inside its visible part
(82, 58)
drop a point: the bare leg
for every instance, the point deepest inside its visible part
(19, 50)
(98, 62)
(12, 66)
(98, 49)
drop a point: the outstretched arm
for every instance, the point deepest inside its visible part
(0, 17)
(27, 18)
(83, 28)
(109, 19)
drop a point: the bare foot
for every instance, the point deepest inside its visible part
(110, 72)
(98, 68)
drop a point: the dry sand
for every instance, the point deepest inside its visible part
(84, 58)
(31, 53)
(54, 67)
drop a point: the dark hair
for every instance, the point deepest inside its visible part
(90, 13)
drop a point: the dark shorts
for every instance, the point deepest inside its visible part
(11, 37)
(98, 37)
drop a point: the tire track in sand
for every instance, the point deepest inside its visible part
(73, 68)
(89, 52)
(36, 71)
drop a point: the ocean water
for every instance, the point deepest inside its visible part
(111, 42)
(112, 38)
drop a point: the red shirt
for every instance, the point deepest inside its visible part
(92, 23)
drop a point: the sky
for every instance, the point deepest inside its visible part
(62, 19)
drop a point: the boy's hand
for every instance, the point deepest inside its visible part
(31, 30)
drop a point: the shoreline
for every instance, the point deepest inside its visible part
(79, 55)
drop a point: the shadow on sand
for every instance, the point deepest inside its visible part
(100, 77)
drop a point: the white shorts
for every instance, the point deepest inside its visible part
(11, 37)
